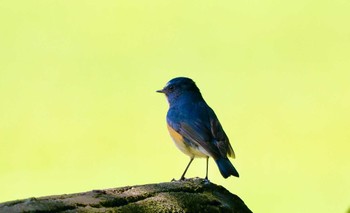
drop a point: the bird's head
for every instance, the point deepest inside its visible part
(178, 87)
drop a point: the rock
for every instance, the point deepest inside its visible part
(191, 195)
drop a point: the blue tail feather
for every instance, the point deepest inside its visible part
(226, 168)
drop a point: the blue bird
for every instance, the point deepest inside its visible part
(194, 127)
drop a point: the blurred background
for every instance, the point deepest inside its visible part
(79, 111)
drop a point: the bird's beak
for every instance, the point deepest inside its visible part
(160, 91)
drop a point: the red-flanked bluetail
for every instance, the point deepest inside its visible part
(194, 127)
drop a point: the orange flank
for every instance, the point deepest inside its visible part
(188, 150)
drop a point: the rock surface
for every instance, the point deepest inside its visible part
(191, 195)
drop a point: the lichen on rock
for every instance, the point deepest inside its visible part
(190, 195)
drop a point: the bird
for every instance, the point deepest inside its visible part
(195, 128)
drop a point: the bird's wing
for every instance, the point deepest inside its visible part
(202, 128)
(219, 135)
(196, 134)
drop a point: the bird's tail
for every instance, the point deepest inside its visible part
(226, 168)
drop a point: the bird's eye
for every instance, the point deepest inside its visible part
(171, 88)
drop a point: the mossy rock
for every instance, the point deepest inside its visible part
(191, 195)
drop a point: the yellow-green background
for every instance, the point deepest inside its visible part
(78, 108)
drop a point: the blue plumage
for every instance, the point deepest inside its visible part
(194, 126)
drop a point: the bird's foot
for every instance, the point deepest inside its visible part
(206, 180)
(181, 179)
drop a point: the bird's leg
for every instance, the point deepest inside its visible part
(183, 175)
(206, 174)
